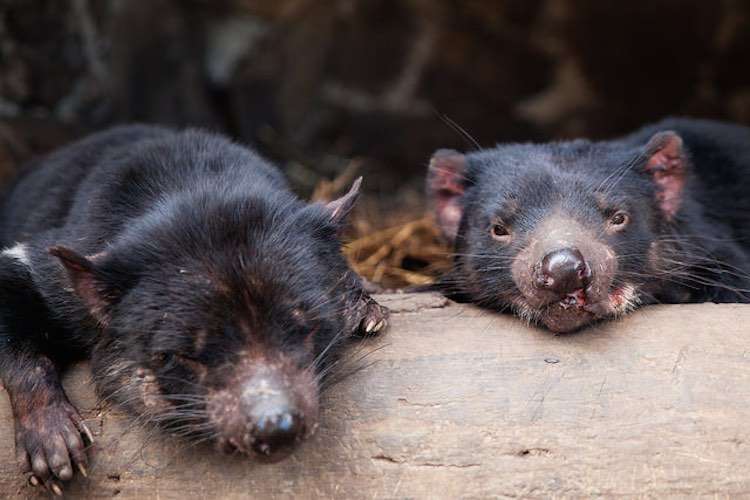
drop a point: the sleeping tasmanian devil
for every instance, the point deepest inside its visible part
(568, 233)
(209, 298)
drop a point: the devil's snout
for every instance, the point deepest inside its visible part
(274, 420)
(563, 272)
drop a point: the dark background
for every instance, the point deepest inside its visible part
(317, 83)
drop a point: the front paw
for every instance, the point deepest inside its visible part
(51, 444)
(374, 317)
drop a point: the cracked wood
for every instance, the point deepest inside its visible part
(456, 402)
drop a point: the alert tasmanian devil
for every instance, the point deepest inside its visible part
(208, 297)
(568, 233)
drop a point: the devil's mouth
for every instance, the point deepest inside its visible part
(576, 300)
(578, 309)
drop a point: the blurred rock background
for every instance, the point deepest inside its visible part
(331, 86)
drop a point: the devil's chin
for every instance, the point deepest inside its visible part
(558, 319)
(564, 318)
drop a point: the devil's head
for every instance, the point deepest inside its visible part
(564, 233)
(217, 315)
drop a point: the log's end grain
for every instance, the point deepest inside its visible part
(456, 402)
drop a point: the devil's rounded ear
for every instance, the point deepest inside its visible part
(666, 162)
(86, 280)
(446, 182)
(340, 208)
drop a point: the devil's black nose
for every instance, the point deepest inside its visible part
(276, 433)
(563, 271)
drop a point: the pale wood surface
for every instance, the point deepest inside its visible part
(457, 402)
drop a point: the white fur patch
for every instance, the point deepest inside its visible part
(18, 252)
(631, 299)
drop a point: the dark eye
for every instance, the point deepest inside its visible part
(618, 220)
(500, 232)
(162, 359)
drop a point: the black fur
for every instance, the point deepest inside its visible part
(700, 253)
(175, 255)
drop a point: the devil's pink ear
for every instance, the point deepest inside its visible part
(85, 280)
(341, 207)
(446, 182)
(667, 164)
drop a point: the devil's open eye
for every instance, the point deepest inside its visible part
(618, 220)
(500, 232)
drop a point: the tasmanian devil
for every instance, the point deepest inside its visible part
(568, 233)
(209, 298)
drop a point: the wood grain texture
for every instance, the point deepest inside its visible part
(454, 402)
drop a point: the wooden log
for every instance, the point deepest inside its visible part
(457, 402)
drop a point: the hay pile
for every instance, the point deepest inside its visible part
(407, 254)
(392, 251)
